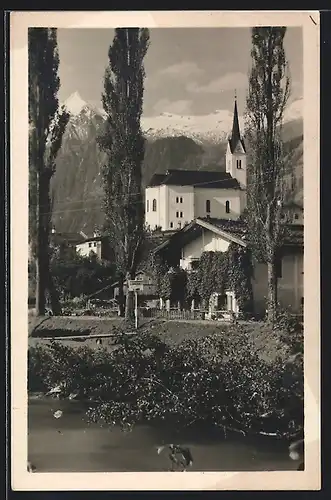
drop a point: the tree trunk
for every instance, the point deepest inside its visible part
(272, 292)
(53, 294)
(40, 257)
(120, 298)
(129, 302)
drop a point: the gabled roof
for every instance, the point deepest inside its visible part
(196, 178)
(59, 238)
(157, 180)
(93, 238)
(231, 230)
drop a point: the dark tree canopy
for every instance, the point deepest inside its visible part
(269, 90)
(123, 141)
(46, 128)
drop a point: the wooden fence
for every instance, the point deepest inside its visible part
(173, 314)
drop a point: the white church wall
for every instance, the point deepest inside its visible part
(218, 198)
(180, 206)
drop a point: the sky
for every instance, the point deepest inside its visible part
(189, 71)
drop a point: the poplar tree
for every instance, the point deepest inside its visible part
(46, 128)
(269, 90)
(124, 144)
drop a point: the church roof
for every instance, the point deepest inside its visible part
(235, 134)
(204, 179)
(233, 230)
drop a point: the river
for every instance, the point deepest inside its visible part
(69, 444)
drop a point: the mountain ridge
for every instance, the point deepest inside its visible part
(77, 183)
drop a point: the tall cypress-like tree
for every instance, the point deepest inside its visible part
(46, 128)
(123, 141)
(269, 90)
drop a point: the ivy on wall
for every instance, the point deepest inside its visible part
(239, 276)
(214, 272)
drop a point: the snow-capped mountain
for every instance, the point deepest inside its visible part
(213, 127)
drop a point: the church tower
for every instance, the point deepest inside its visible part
(236, 152)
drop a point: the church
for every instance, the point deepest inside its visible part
(202, 211)
(177, 197)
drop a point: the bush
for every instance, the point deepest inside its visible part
(81, 275)
(217, 380)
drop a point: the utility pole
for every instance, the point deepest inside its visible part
(136, 308)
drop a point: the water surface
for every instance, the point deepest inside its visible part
(69, 444)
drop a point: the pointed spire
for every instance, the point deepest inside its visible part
(235, 134)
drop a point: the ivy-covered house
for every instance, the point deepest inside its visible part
(216, 254)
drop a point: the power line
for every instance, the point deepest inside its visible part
(129, 195)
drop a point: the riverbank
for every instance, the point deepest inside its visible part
(69, 444)
(77, 331)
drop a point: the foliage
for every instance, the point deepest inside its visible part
(220, 380)
(267, 190)
(46, 128)
(123, 142)
(81, 275)
(216, 272)
(239, 276)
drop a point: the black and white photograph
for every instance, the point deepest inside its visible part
(168, 203)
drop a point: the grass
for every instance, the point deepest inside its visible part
(267, 343)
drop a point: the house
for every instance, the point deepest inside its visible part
(177, 197)
(64, 243)
(97, 245)
(185, 248)
(294, 212)
(149, 291)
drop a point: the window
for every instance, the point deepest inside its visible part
(177, 199)
(296, 216)
(181, 215)
(239, 164)
(179, 225)
(181, 200)
(279, 267)
(227, 207)
(95, 244)
(171, 224)
(208, 206)
(147, 206)
(154, 205)
(177, 214)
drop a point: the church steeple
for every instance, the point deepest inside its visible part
(236, 152)
(235, 135)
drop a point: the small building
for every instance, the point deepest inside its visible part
(64, 243)
(96, 245)
(149, 288)
(185, 248)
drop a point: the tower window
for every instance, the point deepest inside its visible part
(227, 207)
(181, 214)
(154, 205)
(208, 206)
(171, 224)
(177, 199)
(177, 214)
(179, 225)
(181, 200)
(147, 206)
(239, 164)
